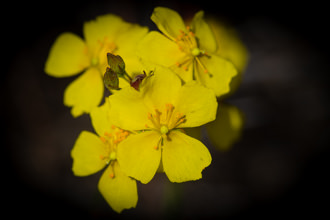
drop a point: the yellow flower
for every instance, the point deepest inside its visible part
(157, 113)
(71, 55)
(91, 153)
(190, 51)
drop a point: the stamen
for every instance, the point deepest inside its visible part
(103, 139)
(203, 67)
(185, 63)
(169, 112)
(107, 134)
(159, 143)
(155, 119)
(180, 118)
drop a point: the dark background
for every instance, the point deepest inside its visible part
(279, 168)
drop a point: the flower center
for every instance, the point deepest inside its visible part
(95, 61)
(195, 51)
(164, 129)
(165, 121)
(188, 44)
(111, 140)
(99, 56)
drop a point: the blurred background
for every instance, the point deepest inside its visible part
(278, 168)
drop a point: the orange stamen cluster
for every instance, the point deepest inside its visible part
(111, 140)
(164, 122)
(187, 43)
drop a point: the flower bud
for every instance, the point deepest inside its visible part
(111, 79)
(116, 64)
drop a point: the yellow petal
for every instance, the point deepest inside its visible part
(168, 21)
(127, 109)
(120, 191)
(85, 93)
(197, 103)
(104, 26)
(100, 119)
(127, 43)
(184, 158)
(203, 32)
(161, 88)
(227, 127)
(86, 154)
(158, 49)
(67, 56)
(138, 156)
(128, 39)
(219, 76)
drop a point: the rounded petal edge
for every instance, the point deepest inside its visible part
(184, 158)
(67, 56)
(86, 154)
(120, 191)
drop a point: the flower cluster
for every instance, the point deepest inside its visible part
(161, 84)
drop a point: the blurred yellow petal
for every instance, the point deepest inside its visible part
(184, 157)
(129, 39)
(127, 45)
(86, 154)
(231, 48)
(227, 128)
(100, 119)
(168, 21)
(203, 32)
(108, 26)
(197, 103)
(84, 93)
(119, 190)
(138, 156)
(219, 73)
(67, 56)
(229, 44)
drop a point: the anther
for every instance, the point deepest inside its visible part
(103, 139)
